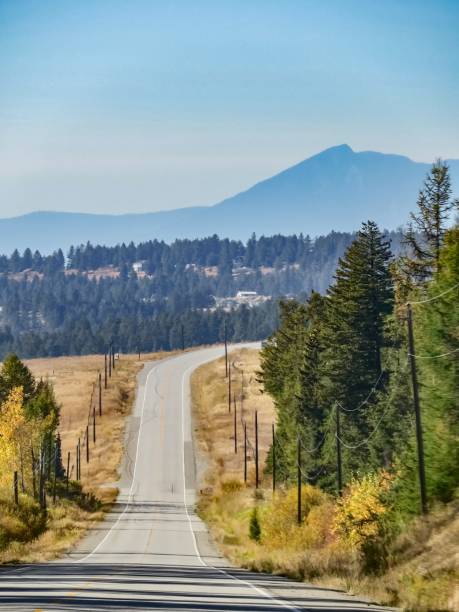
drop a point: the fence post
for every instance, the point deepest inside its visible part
(274, 458)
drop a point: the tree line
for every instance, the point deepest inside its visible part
(338, 367)
(59, 312)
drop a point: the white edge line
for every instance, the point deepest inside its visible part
(261, 592)
(128, 502)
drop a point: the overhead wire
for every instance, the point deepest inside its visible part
(433, 356)
(435, 297)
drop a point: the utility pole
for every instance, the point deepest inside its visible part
(110, 361)
(113, 359)
(417, 412)
(55, 476)
(274, 458)
(235, 426)
(298, 461)
(94, 424)
(68, 472)
(15, 486)
(242, 394)
(257, 477)
(78, 460)
(229, 388)
(34, 483)
(100, 394)
(245, 452)
(105, 370)
(87, 443)
(226, 352)
(339, 464)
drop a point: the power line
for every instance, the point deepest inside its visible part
(353, 446)
(311, 451)
(366, 399)
(433, 356)
(435, 297)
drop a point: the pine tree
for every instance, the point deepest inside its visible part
(358, 303)
(428, 226)
(15, 374)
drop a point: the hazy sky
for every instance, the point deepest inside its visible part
(141, 105)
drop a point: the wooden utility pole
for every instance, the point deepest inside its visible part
(235, 426)
(110, 361)
(339, 464)
(87, 443)
(100, 394)
(242, 394)
(68, 472)
(113, 359)
(55, 476)
(257, 474)
(298, 460)
(229, 388)
(94, 424)
(417, 412)
(34, 482)
(226, 352)
(274, 458)
(105, 370)
(78, 460)
(245, 452)
(15, 487)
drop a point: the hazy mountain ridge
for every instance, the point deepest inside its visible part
(333, 190)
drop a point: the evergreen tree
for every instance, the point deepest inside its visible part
(357, 305)
(428, 226)
(15, 374)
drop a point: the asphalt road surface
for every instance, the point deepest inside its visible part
(152, 552)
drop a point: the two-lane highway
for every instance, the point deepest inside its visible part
(152, 552)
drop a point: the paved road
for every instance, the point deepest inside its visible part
(152, 552)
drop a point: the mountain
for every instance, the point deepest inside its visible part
(334, 190)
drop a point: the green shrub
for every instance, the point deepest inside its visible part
(254, 527)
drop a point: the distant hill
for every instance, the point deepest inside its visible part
(334, 190)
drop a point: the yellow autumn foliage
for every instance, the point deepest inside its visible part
(12, 434)
(359, 512)
(279, 520)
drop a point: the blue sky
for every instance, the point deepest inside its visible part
(142, 105)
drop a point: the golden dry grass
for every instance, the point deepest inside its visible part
(215, 432)
(423, 573)
(75, 383)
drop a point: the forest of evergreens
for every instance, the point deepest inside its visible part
(53, 306)
(339, 371)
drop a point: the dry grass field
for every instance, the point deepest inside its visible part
(75, 382)
(214, 433)
(423, 574)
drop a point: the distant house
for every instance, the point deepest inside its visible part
(246, 298)
(137, 266)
